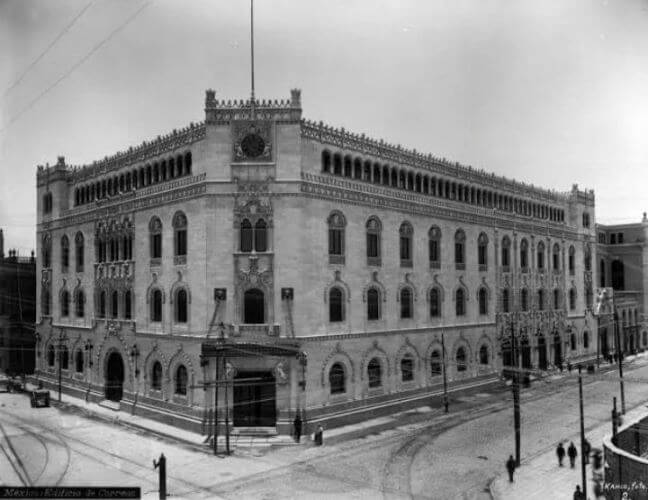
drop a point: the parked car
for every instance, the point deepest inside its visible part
(39, 397)
(5, 382)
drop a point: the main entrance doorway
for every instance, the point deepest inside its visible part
(114, 377)
(255, 395)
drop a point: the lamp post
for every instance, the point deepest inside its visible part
(61, 344)
(88, 349)
(619, 349)
(135, 354)
(582, 432)
(445, 380)
(36, 360)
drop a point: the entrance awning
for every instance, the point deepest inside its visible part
(248, 349)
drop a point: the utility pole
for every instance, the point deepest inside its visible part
(582, 432)
(516, 392)
(445, 381)
(615, 419)
(227, 430)
(216, 409)
(619, 358)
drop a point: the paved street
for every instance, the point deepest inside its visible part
(445, 456)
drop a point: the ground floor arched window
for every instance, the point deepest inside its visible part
(483, 355)
(461, 359)
(181, 381)
(156, 376)
(337, 379)
(435, 363)
(407, 368)
(50, 356)
(374, 373)
(78, 361)
(65, 358)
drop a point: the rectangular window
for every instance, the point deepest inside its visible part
(620, 238)
(612, 239)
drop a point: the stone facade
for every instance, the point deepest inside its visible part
(294, 264)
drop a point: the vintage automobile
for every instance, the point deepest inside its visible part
(39, 397)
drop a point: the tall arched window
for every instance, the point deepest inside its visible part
(506, 252)
(524, 255)
(102, 304)
(260, 236)
(482, 251)
(373, 242)
(572, 341)
(572, 299)
(541, 256)
(373, 304)
(506, 300)
(155, 232)
(79, 242)
(65, 358)
(336, 305)
(336, 225)
(156, 376)
(435, 303)
(246, 236)
(65, 303)
(434, 247)
(588, 258)
(436, 366)
(483, 355)
(556, 257)
(407, 368)
(78, 361)
(406, 237)
(337, 380)
(128, 304)
(181, 381)
(405, 303)
(541, 300)
(80, 304)
(47, 250)
(65, 254)
(114, 304)
(483, 301)
(556, 298)
(374, 373)
(180, 234)
(181, 306)
(156, 305)
(460, 249)
(460, 302)
(524, 299)
(51, 356)
(326, 161)
(572, 260)
(253, 306)
(586, 340)
(460, 358)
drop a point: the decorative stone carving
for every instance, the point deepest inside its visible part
(252, 141)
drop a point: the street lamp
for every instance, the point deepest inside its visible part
(38, 340)
(88, 348)
(61, 344)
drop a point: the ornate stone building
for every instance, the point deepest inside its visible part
(305, 267)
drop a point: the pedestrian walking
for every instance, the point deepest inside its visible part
(510, 467)
(319, 436)
(578, 494)
(297, 427)
(572, 453)
(569, 366)
(586, 450)
(560, 451)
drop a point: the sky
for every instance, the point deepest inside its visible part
(550, 92)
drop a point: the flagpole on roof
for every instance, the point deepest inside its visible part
(252, 54)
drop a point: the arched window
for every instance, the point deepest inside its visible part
(246, 236)
(373, 241)
(572, 341)
(65, 303)
(524, 299)
(461, 359)
(541, 300)
(588, 258)
(336, 305)
(65, 254)
(78, 361)
(460, 302)
(434, 247)
(337, 380)
(524, 255)
(506, 252)
(405, 303)
(102, 304)
(65, 358)
(79, 242)
(482, 252)
(260, 236)
(156, 376)
(181, 306)
(187, 163)
(253, 306)
(506, 300)
(47, 250)
(572, 260)
(406, 235)
(585, 340)
(156, 305)
(80, 304)
(483, 301)
(114, 304)
(373, 304)
(540, 255)
(618, 275)
(483, 355)
(326, 161)
(407, 368)
(556, 298)
(435, 303)
(155, 232)
(180, 234)
(336, 225)
(436, 366)
(128, 304)
(46, 301)
(572, 299)
(460, 249)
(556, 257)
(50, 355)
(181, 381)
(374, 373)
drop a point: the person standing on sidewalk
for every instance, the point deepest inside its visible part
(319, 436)
(578, 494)
(510, 467)
(571, 451)
(297, 425)
(560, 451)
(586, 450)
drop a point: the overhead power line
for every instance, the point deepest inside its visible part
(76, 65)
(47, 49)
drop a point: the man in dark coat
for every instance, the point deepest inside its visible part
(586, 450)
(297, 424)
(560, 451)
(572, 453)
(319, 436)
(510, 467)
(578, 494)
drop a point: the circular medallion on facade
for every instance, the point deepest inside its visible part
(253, 145)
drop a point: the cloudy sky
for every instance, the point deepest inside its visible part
(552, 92)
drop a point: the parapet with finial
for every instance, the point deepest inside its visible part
(221, 111)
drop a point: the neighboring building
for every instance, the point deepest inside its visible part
(17, 311)
(623, 266)
(318, 267)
